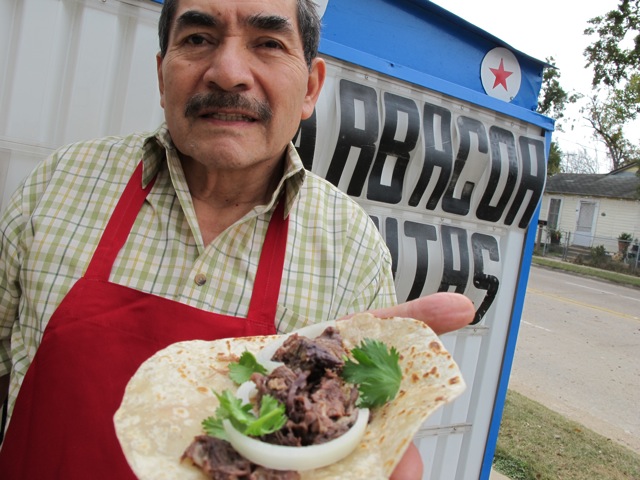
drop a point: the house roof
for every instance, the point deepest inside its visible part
(612, 185)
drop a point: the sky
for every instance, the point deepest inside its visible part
(546, 28)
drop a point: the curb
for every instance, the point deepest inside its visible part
(497, 475)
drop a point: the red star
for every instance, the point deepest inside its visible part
(501, 75)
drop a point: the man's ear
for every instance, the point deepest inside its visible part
(160, 78)
(314, 86)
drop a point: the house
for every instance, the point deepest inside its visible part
(593, 209)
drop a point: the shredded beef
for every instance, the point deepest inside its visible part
(219, 461)
(217, 458)
(314, 355)
(319, 405)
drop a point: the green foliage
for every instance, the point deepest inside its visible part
(625, 237)
(376, 371)
(598, 254)
(555, 235)
(555, 159)
(614, 56)
(606, 273)
(271, 417)
(553, 99)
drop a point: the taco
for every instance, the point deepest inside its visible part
(173, 391)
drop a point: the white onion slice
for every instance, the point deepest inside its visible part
(247, 392)
(279, 457)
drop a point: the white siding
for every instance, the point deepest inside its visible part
(613, 217)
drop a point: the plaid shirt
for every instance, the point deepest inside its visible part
(336, 261)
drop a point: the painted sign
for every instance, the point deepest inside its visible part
(445, 181)
(501, 75)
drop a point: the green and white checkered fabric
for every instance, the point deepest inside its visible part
(336, 261)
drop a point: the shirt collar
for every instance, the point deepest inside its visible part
(157, 145)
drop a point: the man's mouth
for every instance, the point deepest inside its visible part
(228, 107)
(228, 117)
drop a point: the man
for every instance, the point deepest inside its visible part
(207, 228)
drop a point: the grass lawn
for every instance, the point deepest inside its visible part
(536, 443)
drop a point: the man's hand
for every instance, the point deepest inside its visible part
(443, 312)
(410, 466)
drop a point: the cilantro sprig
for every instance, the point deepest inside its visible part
(241, 370)
(376, 371)
(271, 417)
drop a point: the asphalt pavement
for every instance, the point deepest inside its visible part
(570, 324)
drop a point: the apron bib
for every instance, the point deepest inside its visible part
(62, 422)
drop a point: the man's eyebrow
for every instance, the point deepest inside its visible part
(193, 18)
(275, 23)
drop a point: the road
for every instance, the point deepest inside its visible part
(578, 352)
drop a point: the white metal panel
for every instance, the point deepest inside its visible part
(72, 70)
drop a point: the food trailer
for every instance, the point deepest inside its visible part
(426, 120)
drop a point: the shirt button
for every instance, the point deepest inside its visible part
(200, 279)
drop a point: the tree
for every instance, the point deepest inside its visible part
(615, 54)
(552, 101)
(580, 162)
(607, 118)
(615, 59)
(554, 165)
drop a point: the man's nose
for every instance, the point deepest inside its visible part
(230, 67)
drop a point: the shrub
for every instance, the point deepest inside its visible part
(599, 255)
(555, 236)
(625, 237)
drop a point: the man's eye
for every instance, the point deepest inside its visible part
(272, 44)
(195, 40)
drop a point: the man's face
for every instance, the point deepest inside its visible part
(234, 83)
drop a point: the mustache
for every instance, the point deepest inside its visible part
(212, 100)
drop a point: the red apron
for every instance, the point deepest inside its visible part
(62, 422)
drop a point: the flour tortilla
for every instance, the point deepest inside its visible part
(171, 393)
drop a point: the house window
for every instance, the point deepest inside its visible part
(554, 213)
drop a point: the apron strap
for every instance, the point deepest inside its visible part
(119, 226)
(266, 288)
